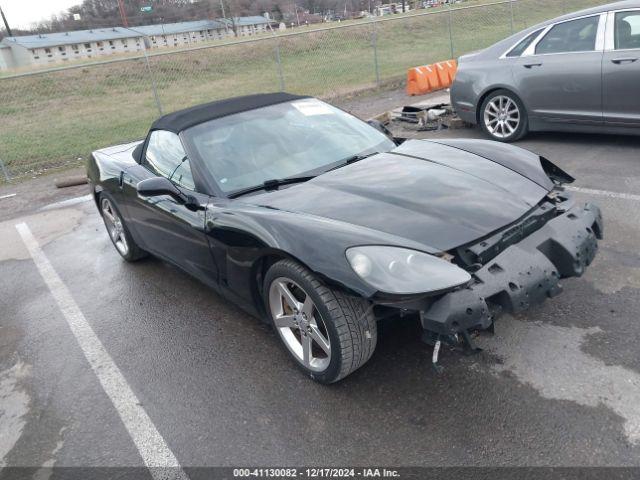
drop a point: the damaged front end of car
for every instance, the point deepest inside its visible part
(512, 270)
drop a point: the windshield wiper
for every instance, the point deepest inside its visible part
(271, 184)
(275, 183)
(352, 159)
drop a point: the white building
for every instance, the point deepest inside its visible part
(183, 33)
(6, 58)
(246, 26)
(52, 48)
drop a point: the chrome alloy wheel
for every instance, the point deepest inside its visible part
(299, 324)
(502, 116)
(114, 226)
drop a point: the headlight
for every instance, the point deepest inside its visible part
(403, 271)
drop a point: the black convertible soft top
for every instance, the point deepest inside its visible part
(183, 119)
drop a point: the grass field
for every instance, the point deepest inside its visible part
(57, 118)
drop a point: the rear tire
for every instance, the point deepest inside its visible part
(503, 116)
(118, 231)
(339, 330)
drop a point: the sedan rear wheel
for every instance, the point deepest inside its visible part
(329, 334)
(503, 116)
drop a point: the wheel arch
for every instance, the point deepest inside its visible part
(97, 193)
(262, 264)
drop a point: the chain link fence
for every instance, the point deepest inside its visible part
(55, 118)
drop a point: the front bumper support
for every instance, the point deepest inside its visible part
(524, 274)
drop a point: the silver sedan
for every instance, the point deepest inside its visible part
(578, 72)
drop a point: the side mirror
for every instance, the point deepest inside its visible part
(156, 186)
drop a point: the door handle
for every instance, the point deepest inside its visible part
(619, 61)
(531, 65)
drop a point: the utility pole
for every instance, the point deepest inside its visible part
(295, 9)
(123, 14)
(224, 17)
(6, 24)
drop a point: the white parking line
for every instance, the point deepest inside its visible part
(156, 454)
(68, 202)
(605, 193)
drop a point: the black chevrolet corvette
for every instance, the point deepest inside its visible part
(322, 224)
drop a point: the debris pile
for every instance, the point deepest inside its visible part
(420, 118)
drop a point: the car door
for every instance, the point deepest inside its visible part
(559, 76)
(160, 224)
(621, 69)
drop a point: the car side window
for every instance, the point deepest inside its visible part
(627, 30)
(572, 36)
(165, 156)
(524, 44)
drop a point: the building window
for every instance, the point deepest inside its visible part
(47, 50)
(62, 48)
(87, 45)
(74, 47)
(37, 57)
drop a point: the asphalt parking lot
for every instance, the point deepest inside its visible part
(558, 386)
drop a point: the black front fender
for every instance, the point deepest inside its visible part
(242, 236)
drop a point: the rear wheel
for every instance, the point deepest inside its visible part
(118, 232)
(503, 116)
(328, 334)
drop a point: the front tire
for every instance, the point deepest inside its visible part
(118, 231)
(328, 334)
(503, 116)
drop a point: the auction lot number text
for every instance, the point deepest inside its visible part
(315, 473)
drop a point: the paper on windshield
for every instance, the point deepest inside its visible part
(310, 108)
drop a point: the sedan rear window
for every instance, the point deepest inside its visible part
(627, 30)
(573, 36)
(524, 44)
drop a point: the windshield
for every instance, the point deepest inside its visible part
(305, 137)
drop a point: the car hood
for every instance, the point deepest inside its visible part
(431, 193)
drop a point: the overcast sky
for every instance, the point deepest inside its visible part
(22, 13)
